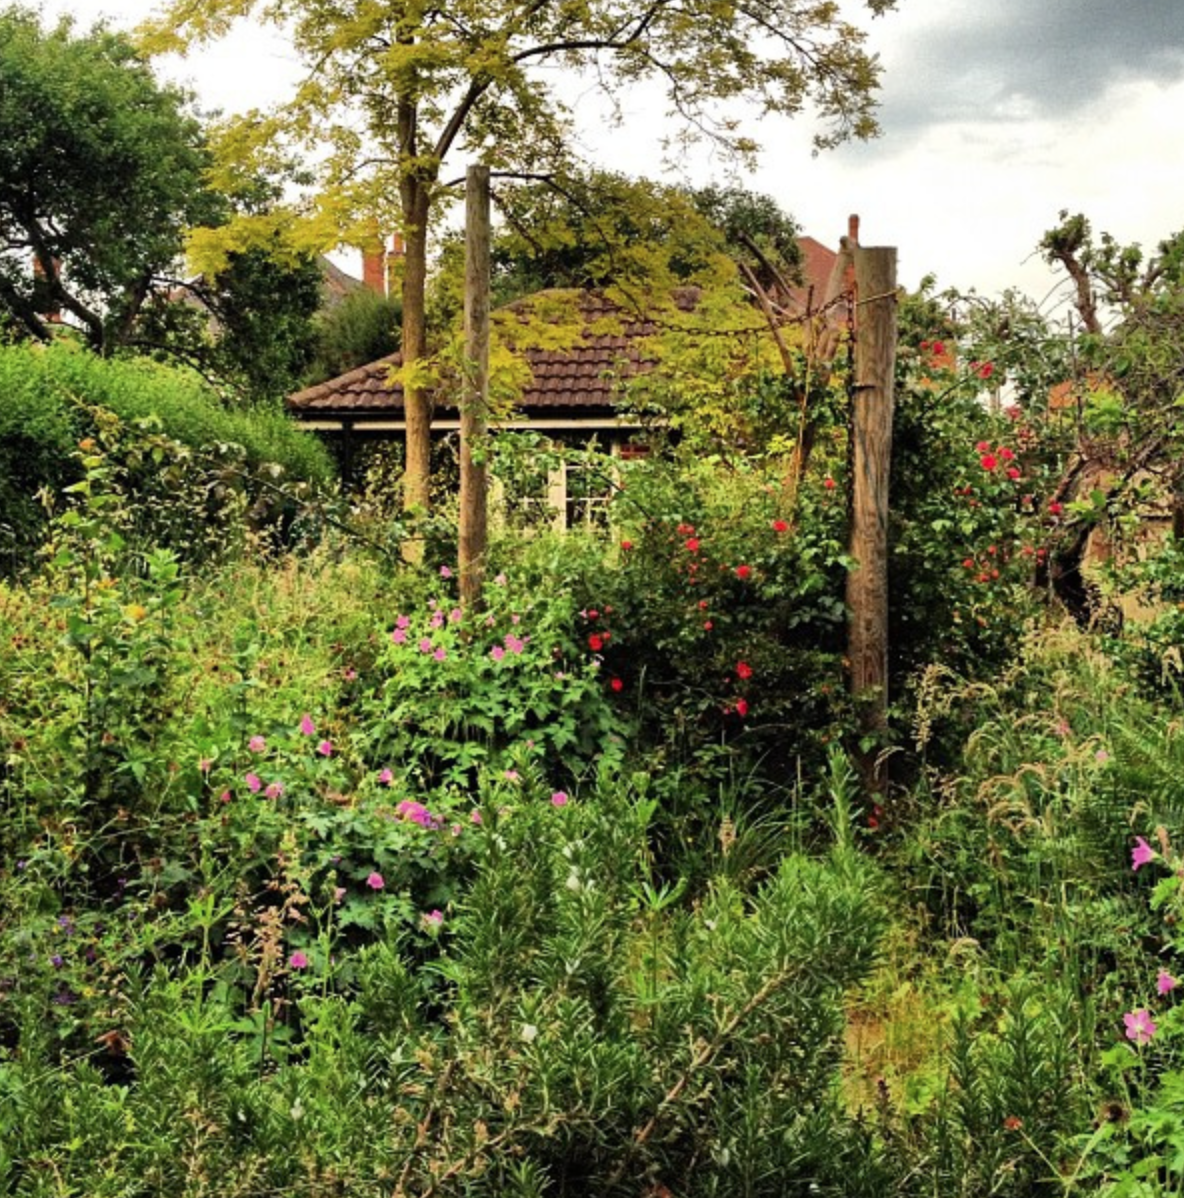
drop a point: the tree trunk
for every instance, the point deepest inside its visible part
(867, 583)
(474, 405)
(417, 401)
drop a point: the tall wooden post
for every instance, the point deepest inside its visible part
(474, 402)
(867, 583)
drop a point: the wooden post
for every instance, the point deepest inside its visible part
(871, 424)
(474, 402)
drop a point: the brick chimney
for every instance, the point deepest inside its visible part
(374, 268)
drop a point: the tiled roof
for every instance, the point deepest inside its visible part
(585, 376)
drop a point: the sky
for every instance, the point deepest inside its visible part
(996, 115)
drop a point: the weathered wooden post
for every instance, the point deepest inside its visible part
(871, 424)
(474, 401)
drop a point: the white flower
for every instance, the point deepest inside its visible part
(529, 1032)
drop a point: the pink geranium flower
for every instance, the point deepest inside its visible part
(497, 653)
(1165, 982)
(375, 881)
(325, 748)
(307, 727)
(298, 960)
(1140, 1027)
(440, 654)
(1142, 853)
(559, 799)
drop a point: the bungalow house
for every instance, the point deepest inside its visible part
(572, 393)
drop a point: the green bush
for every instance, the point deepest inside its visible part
(48, 398)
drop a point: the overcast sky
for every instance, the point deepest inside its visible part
(996, 115)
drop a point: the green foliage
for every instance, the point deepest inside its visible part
(360, 329)
(47, 402)
(103, 169)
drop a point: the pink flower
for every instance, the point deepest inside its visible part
(475, 816)
(399, 636)
(437, 620)
(983, 447)
(514, 644)
(1006, 454)
(256, 744)
(325, 748)
(386, 778)
(500, 580)
(225, 796)
(1165, 982)
(254, 783)
(1140, 1027)
(455, 615)
(497, 653)
(349, 674)
(403, 622)
(375, 881)
(205, 765)
(440, 654)
(1142, 853)
(417, 813)
(298, 960)
(338, 893)
(274, 790)
(307, 727)
(510, 775)
(559, 799)
(445, 572)
(425, 645)
(1013, 473)
(433, 919)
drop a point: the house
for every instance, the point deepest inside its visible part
(572, 393)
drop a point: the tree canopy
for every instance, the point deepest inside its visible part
(102, 171)
(394, 88)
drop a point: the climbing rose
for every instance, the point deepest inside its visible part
(595, 643)
(617, 684)
(988, 461)
(743, 670)
(692, 545)
(741, 707)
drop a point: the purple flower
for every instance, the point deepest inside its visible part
(1140, 1027)
(298, 960)
(375, 881)
(307, 727)
(1165, 982)
(56, 961)
(325, 748)
(256, 744)
(1142, 853)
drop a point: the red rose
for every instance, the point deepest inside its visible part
(742, 707)
(707, 625)
(988, 462)
(1055, 508)
(828, 483)
(743, 670)
(939, 348)
(617, 684)
(692, 545)
(780, 526)
(626, 544)
(595, 643)
(743, 571)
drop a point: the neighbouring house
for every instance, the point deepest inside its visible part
(572, 395)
